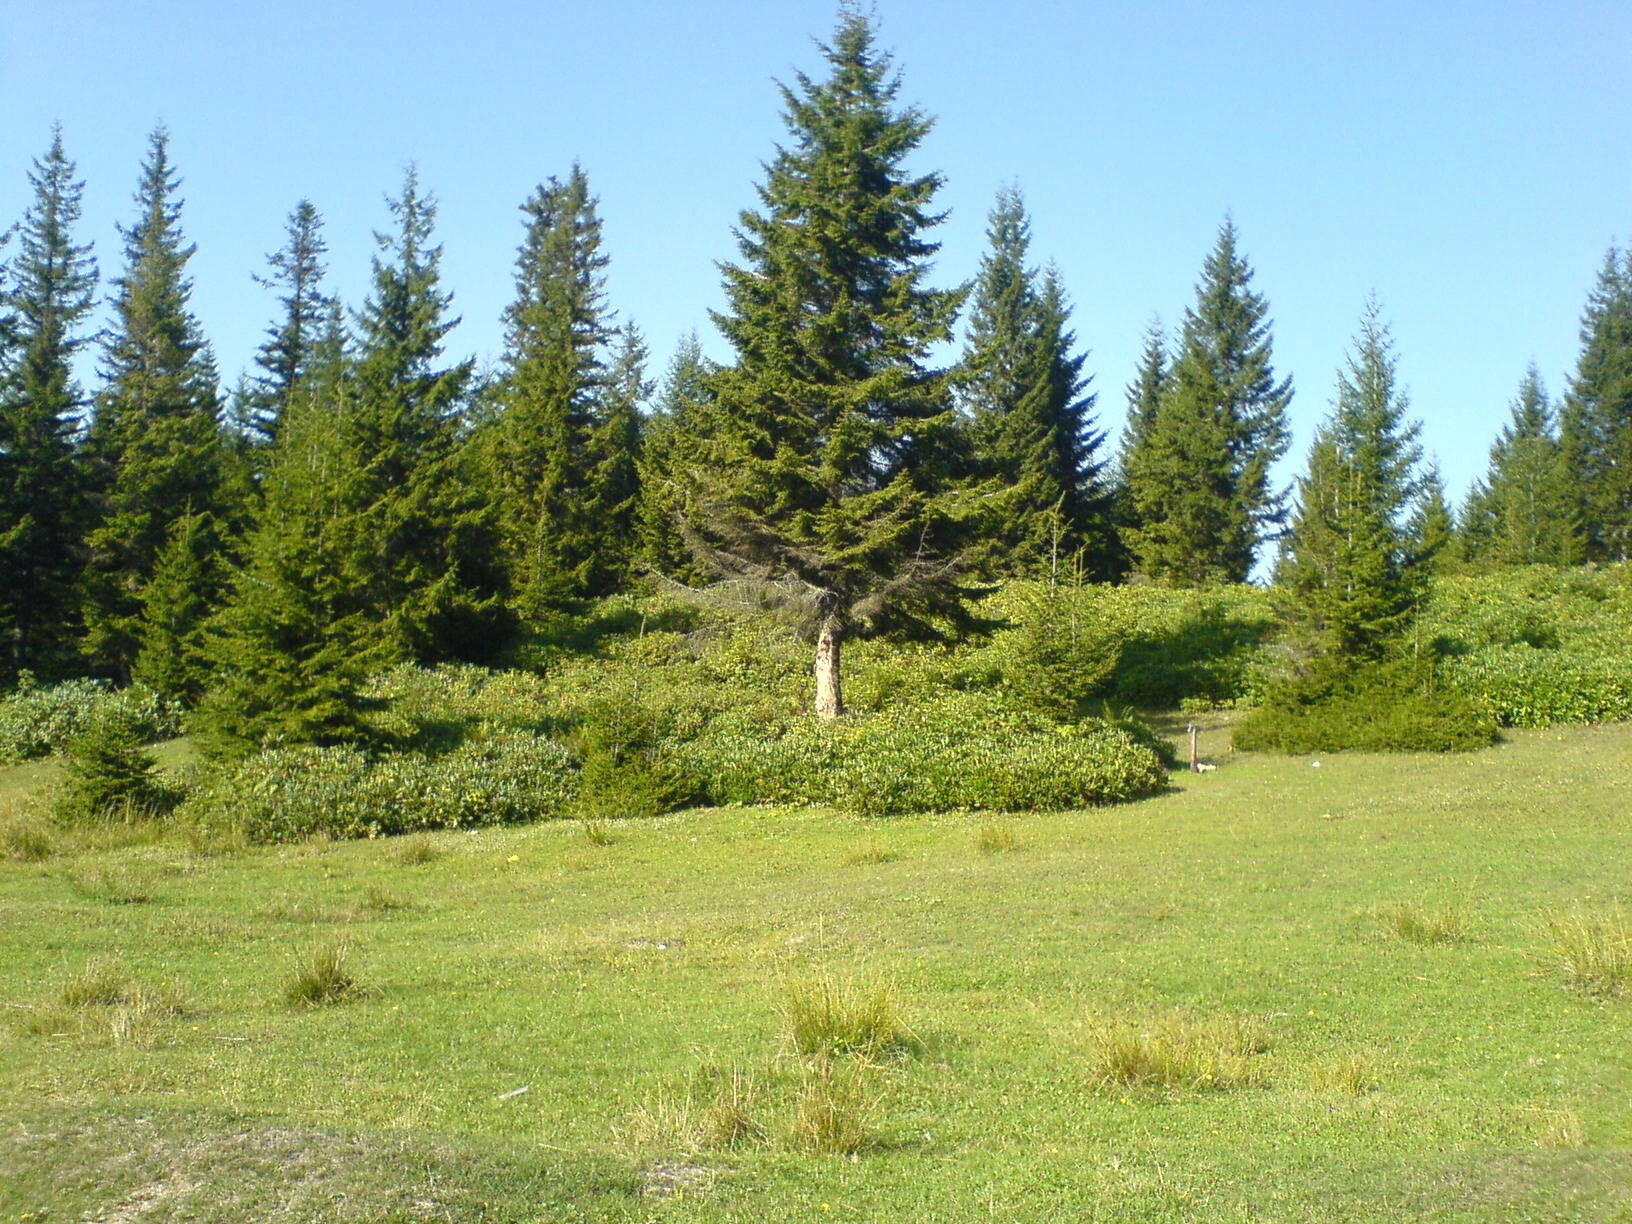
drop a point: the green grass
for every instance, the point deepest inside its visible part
(1463, 1081)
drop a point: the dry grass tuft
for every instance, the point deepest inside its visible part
(26, 836)
(1352, 1075)
(1209, 1054)
(321, 977)
(995, 839)
(833, 1111)
(1414, 922)
(415, 850)
(827, 1016)
(872, 850)
(1592, 952)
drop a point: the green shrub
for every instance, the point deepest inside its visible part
(109, 772)
(1537, 645)
(286, 794)
(1400, 706)
(964, 750)
(37, 721)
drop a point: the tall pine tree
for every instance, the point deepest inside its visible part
(294, 339)
(562, 461)
(1596, 415)
(1348, 558)
(156, 443)
(827, 481)
(424, 535)
(1199, 481)
(43, 508)
(1522, 512)
(669, 446)
(1022, 391)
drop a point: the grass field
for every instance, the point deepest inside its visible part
(1281, 992)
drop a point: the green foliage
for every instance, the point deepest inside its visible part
(561, 451)
(1524, 511)
(155, 442)
(827, 482)
(1348, 562)
(1022, 392)
(37, 721)
(109, 773)
(1199, 478)
(1595, 418)
(1537, 645)
(44, 512)
(285, 794)
(961, 751)
(1400, 705)
(1058, 655)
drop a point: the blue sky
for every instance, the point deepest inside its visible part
(1468, 162)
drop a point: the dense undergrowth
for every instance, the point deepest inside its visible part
(648, 704)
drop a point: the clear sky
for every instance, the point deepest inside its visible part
(1467, 161)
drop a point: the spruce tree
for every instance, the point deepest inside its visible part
(425, 538)
(155, 444)
(286, 357)
(1522, 512)
(1200, 484)
(827, 482)
(301, 632)
(668, 446)
(1022, 390)
(1348, 558)
(1596, 415)
(614, 481)
(554, 430)
(43, 507)
(1436, 548)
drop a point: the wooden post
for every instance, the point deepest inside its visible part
(1195, 764)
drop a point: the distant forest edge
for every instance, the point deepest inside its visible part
(258, 564)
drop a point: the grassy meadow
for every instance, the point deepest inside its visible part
(1372, 988)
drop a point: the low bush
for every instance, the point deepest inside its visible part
(286, 794)
(1414, 922)
(963, 751)
(1400, 706)
(1537, 645)
(37, 721)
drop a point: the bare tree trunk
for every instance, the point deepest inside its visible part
(829, 686)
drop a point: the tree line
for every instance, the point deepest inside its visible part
(360, 497)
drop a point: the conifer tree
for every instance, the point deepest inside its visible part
(554, 431)
(668, 447)
(1200, 480)
(1596, 415)
(1349, 558)
(155, 444)
(614, 482)
(827, 481)
(286, 357)
(1022, 389)
(425, 538)
(43, 508)
(300, 634)
(176, 603)
(1521, 513)
(1436, 548)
